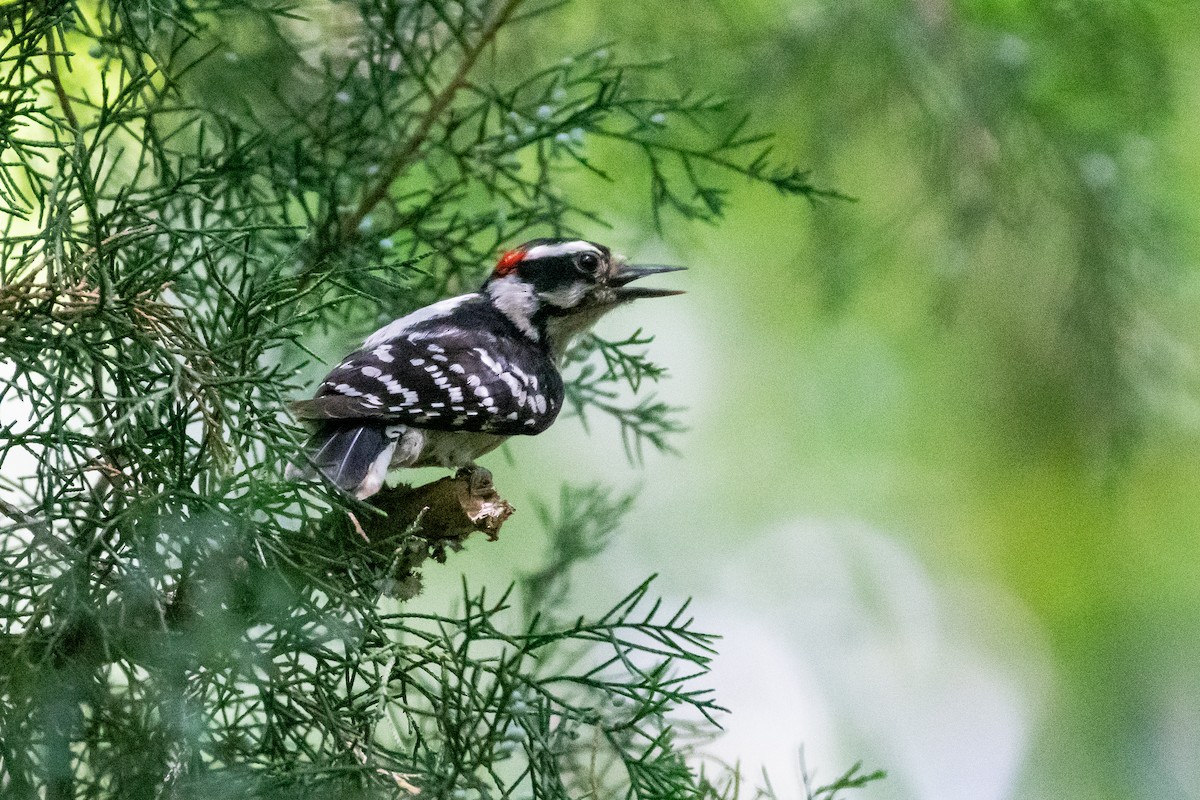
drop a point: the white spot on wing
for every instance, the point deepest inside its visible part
(515, 387)
(489, 362)
(410, 397)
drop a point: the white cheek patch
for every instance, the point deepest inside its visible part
(560, 331)
(560, 249)
(516, 301)
(566, 296)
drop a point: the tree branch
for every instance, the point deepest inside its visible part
(406, 154)
(421, 522)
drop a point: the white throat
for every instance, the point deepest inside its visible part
(561, 332)
(516, 300)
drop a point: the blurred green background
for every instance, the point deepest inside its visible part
(940, 488)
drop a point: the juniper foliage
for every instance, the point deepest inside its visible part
(192, 192)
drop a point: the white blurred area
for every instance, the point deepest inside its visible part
(841, 642)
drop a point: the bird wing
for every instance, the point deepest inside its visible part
(442, 379)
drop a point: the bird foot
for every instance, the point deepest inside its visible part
(447, 509)
(479, 479)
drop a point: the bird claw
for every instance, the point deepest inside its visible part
(479, 479)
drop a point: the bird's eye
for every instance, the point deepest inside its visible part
(588, 262)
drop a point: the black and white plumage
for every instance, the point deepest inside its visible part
(451, 381)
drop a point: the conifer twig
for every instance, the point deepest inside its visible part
(406, 154)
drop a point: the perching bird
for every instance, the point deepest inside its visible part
(451, 381)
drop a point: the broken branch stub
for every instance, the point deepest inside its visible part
(444, 510)
(421, 522)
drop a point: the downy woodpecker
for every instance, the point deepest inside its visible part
(451, 381)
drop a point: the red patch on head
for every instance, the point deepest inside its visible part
(508, 262)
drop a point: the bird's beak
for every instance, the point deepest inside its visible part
(631, 272)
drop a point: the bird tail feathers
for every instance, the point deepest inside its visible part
(348, 455)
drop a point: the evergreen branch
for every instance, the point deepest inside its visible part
(649, 421)
(406, 154)
(64, 102)
(620, 363)
(853, 778)
(759, 169)
(587, 517)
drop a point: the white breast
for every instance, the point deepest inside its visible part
(449, 449)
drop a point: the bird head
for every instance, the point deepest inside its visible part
(560, 287)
